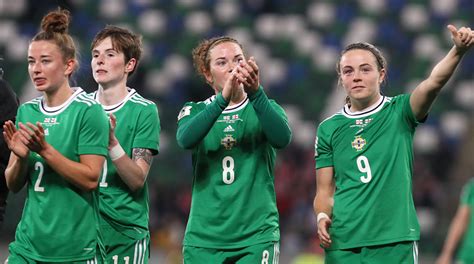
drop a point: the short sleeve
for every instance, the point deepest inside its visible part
(323, 153)
(94, 131)
(148, 129)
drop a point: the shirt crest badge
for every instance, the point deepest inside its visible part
(358, 143)
(228, 142)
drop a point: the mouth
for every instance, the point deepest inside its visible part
(39, 81)
(357, 87)
(101, 71)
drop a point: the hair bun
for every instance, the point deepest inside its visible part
(56, 21)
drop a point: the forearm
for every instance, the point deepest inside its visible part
(274, 125)
(444, 70)
(133, 173)
(455, 234)
(80, 175)
(15, 173)
(323, 203)
(192, 131)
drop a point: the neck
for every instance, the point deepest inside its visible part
(58, 96)
(361, 104)
(112, 94)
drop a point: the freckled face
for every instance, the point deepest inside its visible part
(360, 76)
(224, 57)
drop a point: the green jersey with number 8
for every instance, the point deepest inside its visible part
(372, 155)
(233, 201)
(59, 221)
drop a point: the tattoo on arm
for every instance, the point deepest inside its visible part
(142, 153)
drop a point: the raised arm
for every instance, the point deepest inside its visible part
(133, 171)
(271, 116)
(426, 92)
(15, 173)
(323, 203)
(83, 174)
(192, 129)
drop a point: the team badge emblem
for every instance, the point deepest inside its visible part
(228, 142)
(358, 143)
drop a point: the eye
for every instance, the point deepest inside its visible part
(347, 71)
(45, 61)
(220, 63)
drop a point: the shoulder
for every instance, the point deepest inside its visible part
(398, 99)
(141, 101)
(86, 100)
(191, 108)
(332, 121)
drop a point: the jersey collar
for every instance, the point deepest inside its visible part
(58, 109)
(377, 106)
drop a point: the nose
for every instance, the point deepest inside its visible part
(36, 67)
(99, 59)
(356, 76)
(232, 65)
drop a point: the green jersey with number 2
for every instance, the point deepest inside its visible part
(59, 221)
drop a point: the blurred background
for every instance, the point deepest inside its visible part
(296, 44)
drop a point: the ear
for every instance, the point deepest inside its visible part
(70, 67)
(130, 66)
(382, 75)
(208, 77)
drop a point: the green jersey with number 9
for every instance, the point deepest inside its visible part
(372, 155)
(233, 201)
(59, 221)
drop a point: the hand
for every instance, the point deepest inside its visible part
(324, 237)
(247, 74)
(14, 140)
(231, 85)
(463, 38)
(33, 137)
(112, 138)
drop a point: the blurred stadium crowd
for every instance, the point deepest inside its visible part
(296, 44)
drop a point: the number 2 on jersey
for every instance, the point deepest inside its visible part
(228, 174)
(364, 167)
(39, 166)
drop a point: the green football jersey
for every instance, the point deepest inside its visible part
(233, 198)
(59, 221)
(138, 126)
(372, 155)
(466, 249)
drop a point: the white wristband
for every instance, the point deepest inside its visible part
(321, 216)
(116, 152)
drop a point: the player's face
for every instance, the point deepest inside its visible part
(46, 66)
(360, 76)
(224, 57)
(108, 65)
